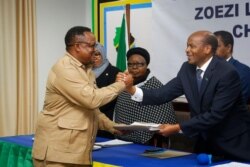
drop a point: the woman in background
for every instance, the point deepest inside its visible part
(128, 111)
(105, 75)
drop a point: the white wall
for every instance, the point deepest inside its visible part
(54, 18)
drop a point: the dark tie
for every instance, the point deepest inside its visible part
(199, 78)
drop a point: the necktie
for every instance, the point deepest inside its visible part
(199, 78)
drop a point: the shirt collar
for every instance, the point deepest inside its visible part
(204, 66)
(77, 62)
(229, 58)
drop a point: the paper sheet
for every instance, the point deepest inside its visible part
(95, 147)
(139, 126)
(115, 142)
(233, 164)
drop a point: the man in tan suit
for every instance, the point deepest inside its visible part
(67, 126)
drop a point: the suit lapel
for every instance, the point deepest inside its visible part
(194, 89)
(193, 80)
(208, 75)
(232, 60)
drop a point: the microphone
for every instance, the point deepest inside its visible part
(204, 159)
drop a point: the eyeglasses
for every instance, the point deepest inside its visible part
(87, 44)
(97, 54)
(137, 65)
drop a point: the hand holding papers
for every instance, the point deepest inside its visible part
(139, 126)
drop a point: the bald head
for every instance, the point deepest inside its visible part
(207, 38)
(201, 46)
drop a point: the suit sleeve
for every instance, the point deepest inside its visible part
(104, 123)
(82, 91)
(166, 93)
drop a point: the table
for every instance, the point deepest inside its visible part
(16, 151)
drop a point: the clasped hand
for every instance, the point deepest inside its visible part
(126, 78)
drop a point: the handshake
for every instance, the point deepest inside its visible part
(127, 79)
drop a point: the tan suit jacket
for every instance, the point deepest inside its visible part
(67, 126)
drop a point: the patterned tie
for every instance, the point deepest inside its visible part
(199, 78)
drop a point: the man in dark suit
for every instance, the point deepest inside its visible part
(225, 51)
(219, 118)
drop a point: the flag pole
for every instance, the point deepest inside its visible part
(128, 23)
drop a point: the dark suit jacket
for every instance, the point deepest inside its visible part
(107, 77)
(244, 72)
(218, 113)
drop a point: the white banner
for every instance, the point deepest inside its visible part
(175, 20)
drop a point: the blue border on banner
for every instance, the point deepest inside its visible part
(118, 8)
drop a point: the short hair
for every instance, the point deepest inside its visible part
(211, 39)
(226, 38)
(70, 35)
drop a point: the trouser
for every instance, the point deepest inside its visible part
(44, 163)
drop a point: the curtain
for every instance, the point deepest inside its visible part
(18, 67)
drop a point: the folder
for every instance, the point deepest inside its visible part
(139, 126)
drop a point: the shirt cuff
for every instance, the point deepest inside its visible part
(138, 95)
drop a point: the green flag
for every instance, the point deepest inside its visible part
(121, 52)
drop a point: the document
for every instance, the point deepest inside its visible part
(233, 164)
(165, 154)
(95, 147)
(115, 142)
(139, 126)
